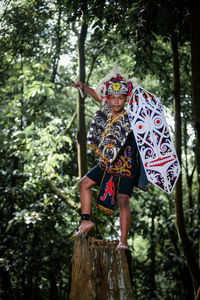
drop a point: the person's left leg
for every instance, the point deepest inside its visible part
(125, 218)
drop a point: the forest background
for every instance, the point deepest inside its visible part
(44, 46)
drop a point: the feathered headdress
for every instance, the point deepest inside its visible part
(115, 83)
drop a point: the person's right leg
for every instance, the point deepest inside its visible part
(125, 219)
(85, 185)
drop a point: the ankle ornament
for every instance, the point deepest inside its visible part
(85, 217)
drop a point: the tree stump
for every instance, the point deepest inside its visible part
(99, 271)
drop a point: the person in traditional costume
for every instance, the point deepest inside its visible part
(119, 168)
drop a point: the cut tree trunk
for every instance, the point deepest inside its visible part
(99, 271)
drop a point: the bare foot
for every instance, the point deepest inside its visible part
(85, 227)
(122, 245)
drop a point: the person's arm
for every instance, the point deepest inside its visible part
(87, 89)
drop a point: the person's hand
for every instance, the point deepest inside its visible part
(79, 85)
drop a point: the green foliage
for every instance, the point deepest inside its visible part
(39, 186)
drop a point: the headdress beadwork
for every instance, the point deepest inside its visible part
(115, 83)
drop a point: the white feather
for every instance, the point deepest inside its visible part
(101, 87)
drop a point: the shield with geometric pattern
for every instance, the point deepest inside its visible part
(153, 139)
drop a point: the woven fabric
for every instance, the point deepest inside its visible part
(107, 196)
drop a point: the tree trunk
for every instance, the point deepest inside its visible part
(197, 158)
(58, 46)
(99, 271)
(187, 249)
(81, 130)
(153, 257)
(195, 55)
(189, 176)
(6, 286)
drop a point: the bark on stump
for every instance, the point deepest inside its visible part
(99, 271)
